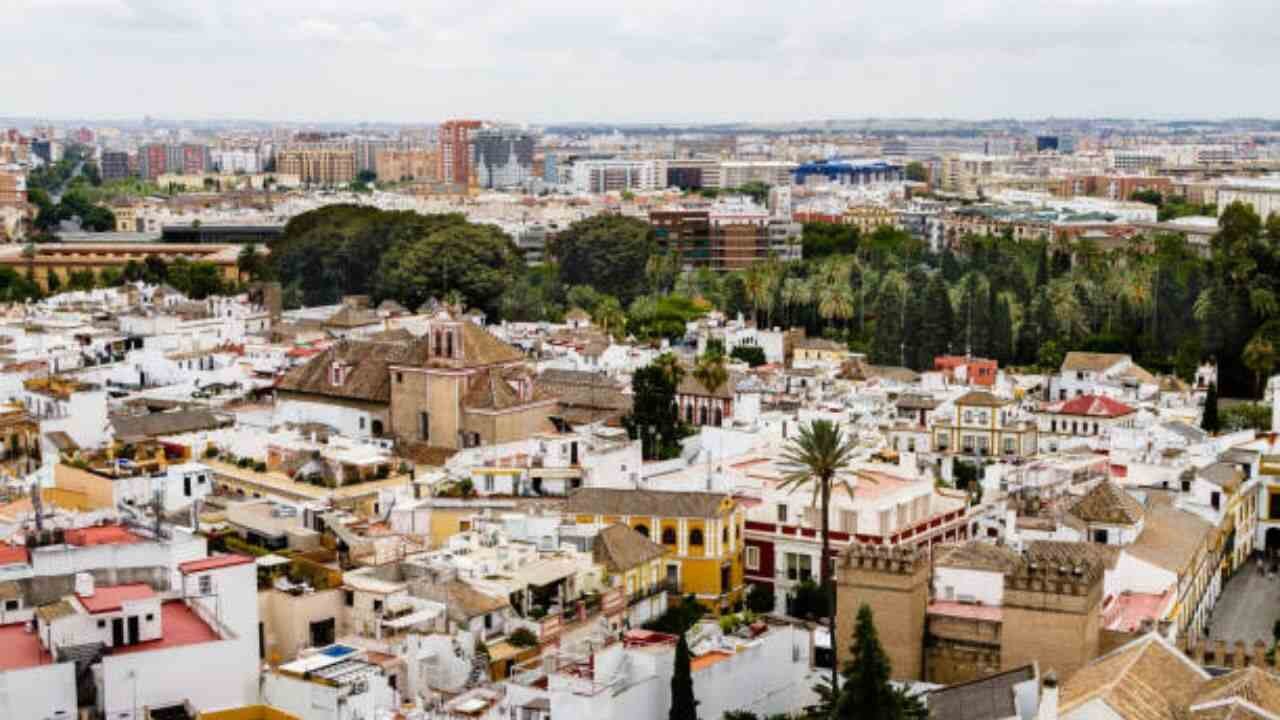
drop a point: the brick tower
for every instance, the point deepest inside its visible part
(894, 582)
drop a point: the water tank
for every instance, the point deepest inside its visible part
(84, 584)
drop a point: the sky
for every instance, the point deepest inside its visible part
(544, 61)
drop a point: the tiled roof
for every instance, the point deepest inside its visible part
(690, 385)
(1147, 679)
(1224, 475)
(981, 398)
(1091, 406)
(620, 548)
(1060, 553)
(466, 602)
(816, 343)
(1253, 685)
(167, 423)
(366, 375)
(978, 555)
(612, 501)
(990, 697)
(1107, 503)
(213, 563)
(487, 390)
(1170, 538)
(1091, 362)
(104, 535)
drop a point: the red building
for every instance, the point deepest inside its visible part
(455, 150)
(967, 370)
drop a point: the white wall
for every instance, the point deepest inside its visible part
(346, 420)
(39, 693)
(985, 587)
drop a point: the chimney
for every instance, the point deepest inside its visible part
(84, 585)
(1048, 697)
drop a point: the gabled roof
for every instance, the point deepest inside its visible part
(1092, 362)
(690, 385)
(1107, 503)
(978, 555)
(1099, 406)
(1057, 553)
(989, 697)
(465, 602)
(487, 390)
(366, 376)
(1223, 474)
(620, 548)
(1147, 679)
(1252, 685)
(981, 398)
(1170, 538)
(658, 503)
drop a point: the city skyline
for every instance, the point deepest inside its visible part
(387, 61)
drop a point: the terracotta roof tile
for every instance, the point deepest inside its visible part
(1107, 503)
(620, 548)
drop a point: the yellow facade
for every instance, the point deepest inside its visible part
(707, 551)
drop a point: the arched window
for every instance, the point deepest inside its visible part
(642, 529)
(688, 413)
(702, 415)
(448, 343)
(436, 335)
(695, 537)
(668, 536)
(724, 535)
(719, 417)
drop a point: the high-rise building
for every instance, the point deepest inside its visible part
(600, 176)
(115, 165)
(318, 166)
(502, 157)
(195, 159)
(153, 161)
(455, 151)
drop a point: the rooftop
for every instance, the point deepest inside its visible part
(111, 599)
(22, 649)
(181, 627)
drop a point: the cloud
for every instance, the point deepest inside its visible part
(661, 60)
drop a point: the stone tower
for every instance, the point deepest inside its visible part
(894, 582)
(1052, 615)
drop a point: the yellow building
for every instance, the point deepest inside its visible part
(62, 259)
(318, 166)
(819, 350)
(985, 426)
(869, 217)
(702, 533)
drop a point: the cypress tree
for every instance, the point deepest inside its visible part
(1042, 267)
(1209, 421)
(886, 344)
(867, 694)
(1002, 331)
(939, 321)
(913, 319)
(683, 706)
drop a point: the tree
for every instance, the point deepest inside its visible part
(654, 419)
(760, 598)
(815, 460)
(478, 261)
(609, 317)
(752, 355)
(53, 282)
(250, 262)
(938, 324)
(1260, 357)
(607, 252)
(1209, 421)
(867, 694)
(886, 345)
(711, 371)
(683, 705)
(916, 172)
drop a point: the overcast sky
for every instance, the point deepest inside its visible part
(639, 61)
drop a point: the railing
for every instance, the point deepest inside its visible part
(665, 586)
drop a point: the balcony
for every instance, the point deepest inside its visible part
(665, 586)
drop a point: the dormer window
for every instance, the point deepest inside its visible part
(337, 374)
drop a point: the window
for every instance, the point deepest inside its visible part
(1100, 536)
(399, 377)
(377, 606)
(724, 536)
(799, 567)
(1009, 446)
(349, 598)
(361, 422)
(488, 483)
(642, 529)
(150, 617)
(849, 521)
(1215, 499)
(206, 584)
(424, 426)
(11, 605)
(782, 513)
(695, 537)
(753, 558)
(102, 624)
(668, 536)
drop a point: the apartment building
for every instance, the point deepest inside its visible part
(502, 157)
(406, 165)
(455, 160)
(318, 166)
(115, 165)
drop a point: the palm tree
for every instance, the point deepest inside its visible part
(815, 459)
(609, 316)
(711, 372)
(835, 301)
(796, 293)
(670, 367)
(1259, 356)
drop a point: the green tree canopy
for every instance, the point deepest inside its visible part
(608, 252)
(478, 261)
